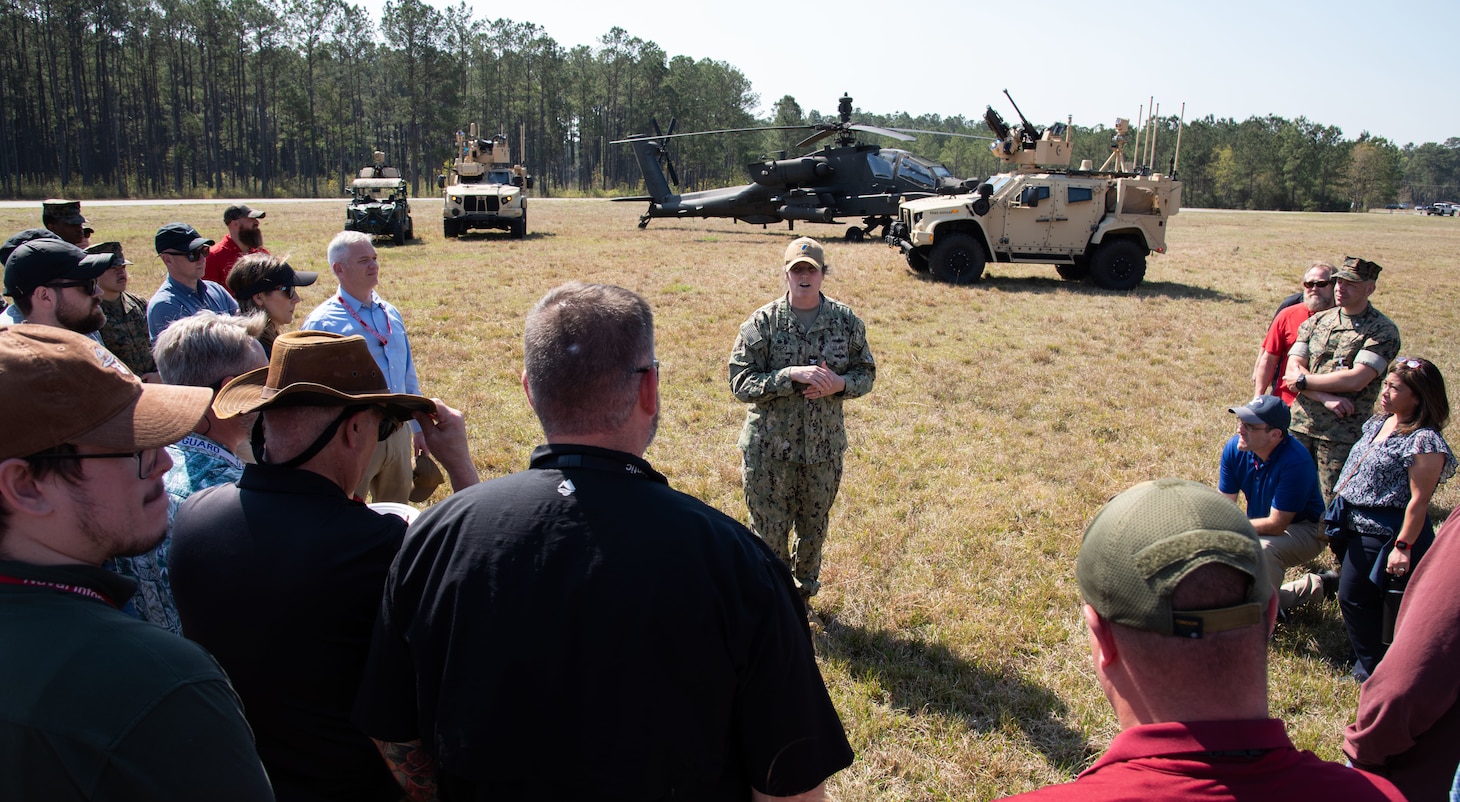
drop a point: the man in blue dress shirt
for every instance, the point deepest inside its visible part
(184, 292)
(357, 309)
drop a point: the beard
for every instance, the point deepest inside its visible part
(81, 319)
(251, 238)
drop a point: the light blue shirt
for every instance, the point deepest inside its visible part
(173, 301)
(393, 357)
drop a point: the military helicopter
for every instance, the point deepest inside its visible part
(847, 179)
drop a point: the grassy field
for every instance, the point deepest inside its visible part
(1004, 414)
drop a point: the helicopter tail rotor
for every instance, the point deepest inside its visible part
(663, 150)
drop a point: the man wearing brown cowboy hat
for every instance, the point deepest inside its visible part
(94, 704)
(280, 575)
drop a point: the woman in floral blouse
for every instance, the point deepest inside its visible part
(1385, 491)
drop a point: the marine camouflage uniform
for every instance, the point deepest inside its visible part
(1331, 341)
(792, 445)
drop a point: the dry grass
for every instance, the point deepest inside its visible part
(1004, 415)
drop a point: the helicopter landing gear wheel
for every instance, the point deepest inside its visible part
(958, 259)
(853, 234)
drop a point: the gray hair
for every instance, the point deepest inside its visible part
(583, 348)
(341, 243)
(202, 349)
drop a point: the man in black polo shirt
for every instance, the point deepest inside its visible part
(580, 631)
(280, 575)
(95, 704)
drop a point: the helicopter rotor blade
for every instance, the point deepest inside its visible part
(657, 131)
(944, 133)
(887, 132)
(816, 137)
(669, 167)
(637, 137)
(673, 121)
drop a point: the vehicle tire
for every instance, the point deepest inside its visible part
(449, 228)
(1118, 265)
(853, 234)
(410, 228)
(958, 259)
(399, 235)
(1079, 271)
(519, 226)
(918, 260)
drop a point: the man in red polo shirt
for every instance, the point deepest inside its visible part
(244, 237)
(1272, 356)
(1179, 610)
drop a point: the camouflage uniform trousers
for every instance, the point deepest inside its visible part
(781, 495)
(1329, 456)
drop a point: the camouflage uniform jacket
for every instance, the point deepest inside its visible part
(125, 332)
(1332, 341)
(781, 423)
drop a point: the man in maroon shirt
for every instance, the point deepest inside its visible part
(244, 237)
(1408, 727)
(1272, 356)
(1179, 611)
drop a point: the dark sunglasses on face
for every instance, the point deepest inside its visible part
(193, 256)
(89, 285)
(1317, 285)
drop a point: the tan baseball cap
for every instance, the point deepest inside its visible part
(1141, 545)
(805, 249)
(59, 387)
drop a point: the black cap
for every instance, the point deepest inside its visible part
(1268, 410)
(238, 212)
(113, 250)
(22, 238)
(42, 261)
(281, 276)
(179, 238)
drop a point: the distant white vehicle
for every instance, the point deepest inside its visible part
(1441, 208)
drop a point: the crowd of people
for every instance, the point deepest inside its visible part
(211, 609)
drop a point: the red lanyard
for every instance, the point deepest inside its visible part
(383, 338)
(79, 590)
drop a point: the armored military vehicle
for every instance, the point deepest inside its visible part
(1095, 225)
(484, 189)
(379, 203)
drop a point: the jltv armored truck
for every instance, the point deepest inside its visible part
(1095, 225)
(379, 203)
(483, 188)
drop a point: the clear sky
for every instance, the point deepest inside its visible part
(1389, 68)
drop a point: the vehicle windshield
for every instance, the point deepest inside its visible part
(998, 182)
(499, 177)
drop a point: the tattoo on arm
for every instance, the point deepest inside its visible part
(412, 767)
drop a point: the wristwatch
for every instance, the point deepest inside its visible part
(1301, 383)
(1400, 545)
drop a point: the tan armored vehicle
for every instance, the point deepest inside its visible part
(484, 189)
(1095, 225)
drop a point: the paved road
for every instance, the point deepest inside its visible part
(263, 202)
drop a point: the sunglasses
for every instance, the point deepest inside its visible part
(89, 285)
(193, 255)
(1317, 285)
(1410, 362)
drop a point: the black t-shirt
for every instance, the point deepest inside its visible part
(280, 577)
(97, 705)
(582, 631)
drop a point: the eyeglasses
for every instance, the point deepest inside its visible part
(1251, 427)
(146, 460)
(389, 424)
(288, 290)
(1317, 285)
(89, 285)
(193, 255)
(654, 367)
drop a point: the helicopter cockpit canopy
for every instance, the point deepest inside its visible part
(890, 163)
